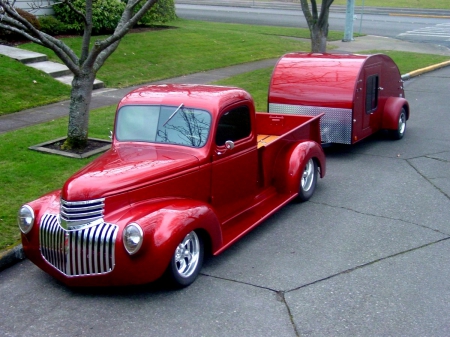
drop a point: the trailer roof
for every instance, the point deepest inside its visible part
(314, 79)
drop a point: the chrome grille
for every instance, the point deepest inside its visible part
(76, 213)
(86, 251)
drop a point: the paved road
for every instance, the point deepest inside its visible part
(368, 255)
(416, 26)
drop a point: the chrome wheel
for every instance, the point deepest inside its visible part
(308, 176)
(308, 180)
(187, 261)
(402, 123)
(186, 257)
(401, 126)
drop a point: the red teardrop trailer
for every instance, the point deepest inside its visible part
(359, 94)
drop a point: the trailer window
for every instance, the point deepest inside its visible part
(233, 125)
(371, 93)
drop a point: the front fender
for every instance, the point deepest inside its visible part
(165, 224)
(391, 112)
(290, 161)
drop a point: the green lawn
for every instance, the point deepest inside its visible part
(23, 87)
(26, 174)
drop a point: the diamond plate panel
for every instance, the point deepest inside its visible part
(335, 125)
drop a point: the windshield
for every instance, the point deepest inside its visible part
(163, 124)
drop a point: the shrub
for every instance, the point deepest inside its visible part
(106, 15)
(162, 11)
(52, 26)
(29, 17)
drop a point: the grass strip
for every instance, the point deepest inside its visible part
(27, 174)
(23, 87)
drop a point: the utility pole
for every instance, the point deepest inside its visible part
(349, 14)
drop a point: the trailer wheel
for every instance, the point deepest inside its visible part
(187, 261)
(308, 180)
(401, 127)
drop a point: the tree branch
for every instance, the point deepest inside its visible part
(324, 12)
(18, 24)
(87, 32)
(307, 13)
(103, 49)
(72, 8)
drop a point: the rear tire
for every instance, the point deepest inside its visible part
(308, 180)
(401, 126)
(187, 261)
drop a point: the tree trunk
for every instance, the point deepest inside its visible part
(319, 39)
(80, 99)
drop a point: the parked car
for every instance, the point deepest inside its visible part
(358, 94)
(192, 168)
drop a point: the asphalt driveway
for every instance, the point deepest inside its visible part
(368, 255)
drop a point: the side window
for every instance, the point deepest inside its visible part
(371, 93)
(233, 125)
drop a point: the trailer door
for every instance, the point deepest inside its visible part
(371, 110)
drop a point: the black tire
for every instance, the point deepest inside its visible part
(401, 126)
(308, 180)
(187, 261)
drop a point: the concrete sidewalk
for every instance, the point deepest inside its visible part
(110, 96)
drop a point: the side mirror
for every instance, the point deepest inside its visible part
(229, 144)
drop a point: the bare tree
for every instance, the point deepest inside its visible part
(84, 67)
(317, 23)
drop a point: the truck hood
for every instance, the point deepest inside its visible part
(123, 168)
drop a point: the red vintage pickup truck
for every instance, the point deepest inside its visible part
(192, 168)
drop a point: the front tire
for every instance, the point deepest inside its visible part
(187, 260)
(401, 126)
(308, 180)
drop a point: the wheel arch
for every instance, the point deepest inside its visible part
(392, 110)
(290, 161)
(165, 224)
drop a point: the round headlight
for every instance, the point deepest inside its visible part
(132, 238)
(25, 219)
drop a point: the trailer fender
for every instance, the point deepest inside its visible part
(290, 163)
(392, 110)
(165, 226)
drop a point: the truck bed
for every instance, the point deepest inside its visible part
(270, 127)
(264, 140)
(276, 131)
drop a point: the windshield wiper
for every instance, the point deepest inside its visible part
(173, 114)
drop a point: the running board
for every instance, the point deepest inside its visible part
(237, 227)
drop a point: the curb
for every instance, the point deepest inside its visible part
(11, 257)
(421, 71)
